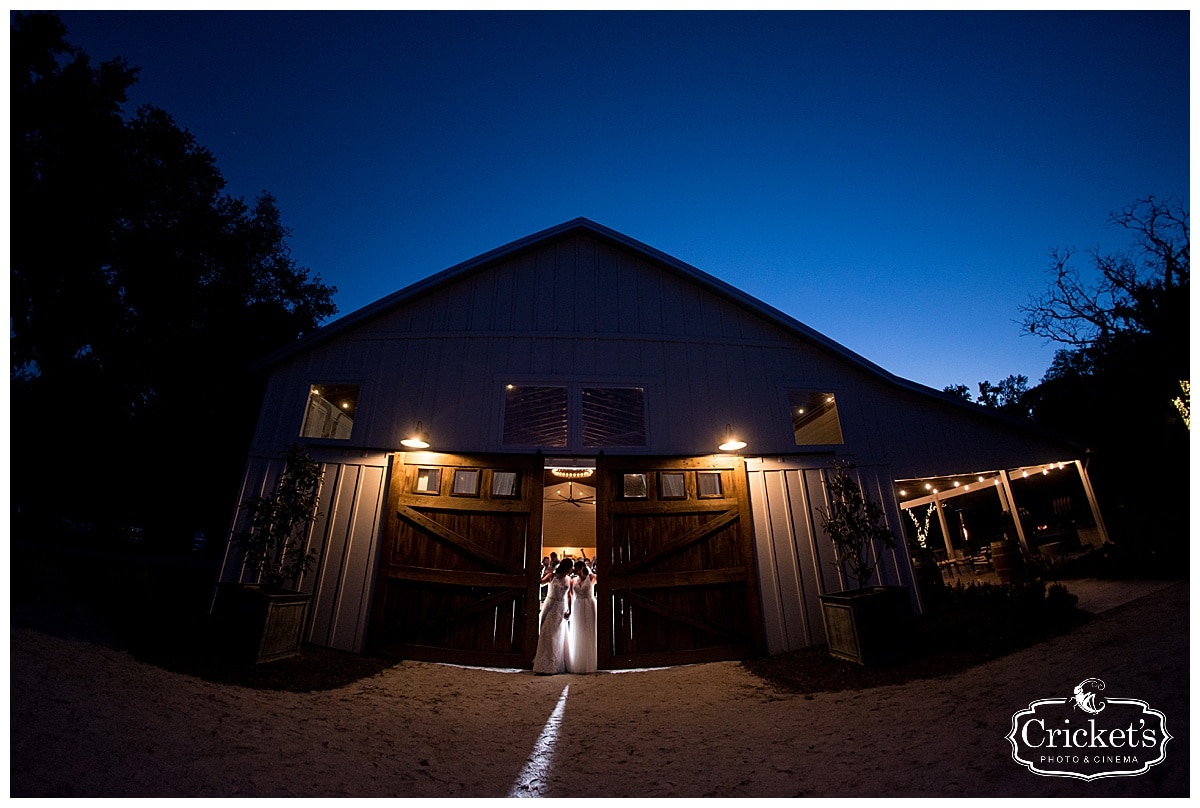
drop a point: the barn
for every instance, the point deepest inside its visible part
(578, 391)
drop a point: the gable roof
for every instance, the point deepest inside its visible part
(668, 263)
(566, 229)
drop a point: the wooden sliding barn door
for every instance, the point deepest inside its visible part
(677, 580)
(458, 571)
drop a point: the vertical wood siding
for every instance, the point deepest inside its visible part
(575, 310)
(795, 558)
(345, 537)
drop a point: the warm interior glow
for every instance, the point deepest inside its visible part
(571, 473)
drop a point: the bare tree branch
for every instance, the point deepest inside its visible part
(1118, 294)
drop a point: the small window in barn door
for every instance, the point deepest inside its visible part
(633, 486)
(708, 484)
(466, 483)
(330, 411)
(535, 415)
(671, 485)
(815, 418)
(504, 484)
(429, 481)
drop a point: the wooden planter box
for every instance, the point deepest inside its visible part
(870, 626)
(257, 626)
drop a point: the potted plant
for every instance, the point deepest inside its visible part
(865, 624)
(264, 619)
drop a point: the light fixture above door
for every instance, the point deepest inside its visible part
(419, 439)
(730, 442)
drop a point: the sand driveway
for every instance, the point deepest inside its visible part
(89, 720)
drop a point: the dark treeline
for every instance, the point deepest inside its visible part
(140, 294)
(1119, 383)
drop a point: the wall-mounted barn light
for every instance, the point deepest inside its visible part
(418, 440)
(730, 442)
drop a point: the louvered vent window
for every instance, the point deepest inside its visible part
(535, 416)
(613, 416)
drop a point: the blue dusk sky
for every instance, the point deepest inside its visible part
(894, 180)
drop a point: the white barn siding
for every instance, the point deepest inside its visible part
(352, 505)
(345, 536)
(577, 310)
(796, 558)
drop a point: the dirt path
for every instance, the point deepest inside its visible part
(89, 720)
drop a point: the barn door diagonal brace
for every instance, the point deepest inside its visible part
(456, 540)
(676, 545)
(676, 615)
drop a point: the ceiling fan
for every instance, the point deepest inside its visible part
(572, 499)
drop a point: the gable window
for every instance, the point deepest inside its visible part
(815, 418)
(574, 415)
(614, 416)
(535, 415)
(330, 411)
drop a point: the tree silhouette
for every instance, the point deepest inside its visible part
(1124, 324)
(140, 294)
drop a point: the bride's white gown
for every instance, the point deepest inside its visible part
(581, 653)
(552, 636)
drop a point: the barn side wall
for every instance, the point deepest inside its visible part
(345, 536)
(796, 559)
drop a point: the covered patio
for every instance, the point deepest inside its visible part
(1046, 512)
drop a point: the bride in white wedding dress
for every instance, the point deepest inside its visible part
(553, 637)
(581, 652)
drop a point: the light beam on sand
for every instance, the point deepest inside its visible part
(534, 777)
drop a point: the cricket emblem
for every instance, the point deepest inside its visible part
(1087, 696)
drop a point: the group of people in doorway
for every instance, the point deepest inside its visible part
(567, 633)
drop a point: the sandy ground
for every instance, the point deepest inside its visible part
(89, 720)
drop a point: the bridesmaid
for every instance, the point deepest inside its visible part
(581, 656)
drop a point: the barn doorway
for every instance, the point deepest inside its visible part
(569, 509)
(464, 536)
